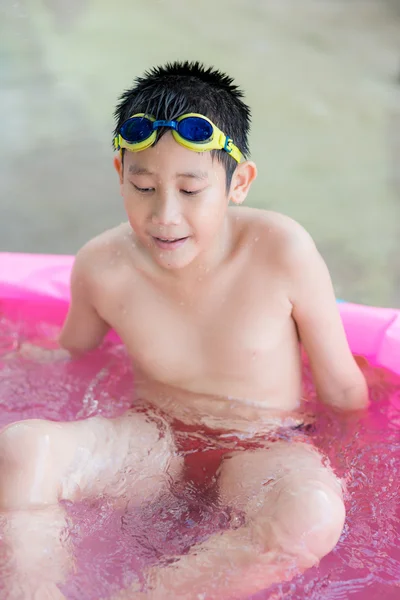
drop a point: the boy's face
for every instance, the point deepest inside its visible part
(176, 200)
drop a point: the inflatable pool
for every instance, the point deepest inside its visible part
(366, 563)
(372, 332)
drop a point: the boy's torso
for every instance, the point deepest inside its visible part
(217, 346)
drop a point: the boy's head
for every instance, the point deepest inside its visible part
(176, 89)
(165, 94)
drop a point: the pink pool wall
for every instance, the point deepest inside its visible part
(43, 281)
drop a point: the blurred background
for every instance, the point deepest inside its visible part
(322, 78)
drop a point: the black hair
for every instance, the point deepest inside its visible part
(166, 92)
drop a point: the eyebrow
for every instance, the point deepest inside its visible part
(193, 174)
(137, 170)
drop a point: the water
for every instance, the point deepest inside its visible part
(112, 547)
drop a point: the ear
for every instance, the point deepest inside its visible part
(118, 166)
(242, 179)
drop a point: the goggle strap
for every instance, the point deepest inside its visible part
(236, 154)
(228, 146)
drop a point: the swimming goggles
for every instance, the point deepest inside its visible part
(192, 131)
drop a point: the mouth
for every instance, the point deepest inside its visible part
(170, 243)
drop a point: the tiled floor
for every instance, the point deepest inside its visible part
(322, 76)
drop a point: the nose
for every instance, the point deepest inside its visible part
(167, 210)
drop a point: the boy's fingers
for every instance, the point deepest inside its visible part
(37, 354)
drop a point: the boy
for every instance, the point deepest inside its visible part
(211, 303)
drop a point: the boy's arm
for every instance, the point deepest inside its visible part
(338, 380)
(83, 329)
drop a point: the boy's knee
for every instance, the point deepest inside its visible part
(306, 521)
(23, 465)
(324, 519)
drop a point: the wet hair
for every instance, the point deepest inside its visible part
(167, 92)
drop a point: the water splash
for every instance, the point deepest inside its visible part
(112, 547)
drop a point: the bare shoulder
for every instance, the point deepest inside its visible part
(105, 253)
(108, 243)
(278, 235)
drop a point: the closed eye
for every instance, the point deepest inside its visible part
(143, 190)
(191, 192)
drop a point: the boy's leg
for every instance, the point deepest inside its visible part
(42, 462)
(291, 499)
(129, 458)
(290, 513)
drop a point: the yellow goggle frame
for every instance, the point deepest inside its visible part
(217, 141)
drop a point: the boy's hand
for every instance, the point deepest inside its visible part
(351, 422)
(38, 354)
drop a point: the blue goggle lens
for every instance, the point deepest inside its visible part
(136, 130)
(195, 129)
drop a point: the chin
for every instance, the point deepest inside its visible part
(174, 263)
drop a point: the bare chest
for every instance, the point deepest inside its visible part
(220, 338)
